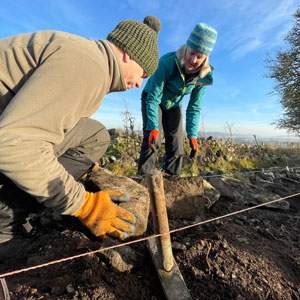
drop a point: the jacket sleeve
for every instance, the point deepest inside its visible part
(59, 92)
(193, 111)
(155, 91)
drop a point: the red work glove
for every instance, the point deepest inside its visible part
(153, 139)
(102, 217)
(194, 147)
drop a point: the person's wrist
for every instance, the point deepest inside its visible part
(83, 211)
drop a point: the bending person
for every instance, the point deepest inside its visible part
(186, 71)
(51, 82)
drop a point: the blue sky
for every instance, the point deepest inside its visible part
(248, 30)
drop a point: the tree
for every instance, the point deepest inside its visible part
(228, 130)
(128, 120)
(285, 70)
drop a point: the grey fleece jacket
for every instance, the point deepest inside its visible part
(48, 81)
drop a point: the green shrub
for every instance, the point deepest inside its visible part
(235, 157)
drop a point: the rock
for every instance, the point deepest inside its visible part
(116, 132)
(294, 176)
(280, 205)
(264, 178)
(264, 197)
(210, 193)
(187, 197)
(184, 196)
(229, 187)
(122, 258)
(139, 198)
(276, 188)
(250, 194)
(178, 246)
(112, 159)
(70, 288)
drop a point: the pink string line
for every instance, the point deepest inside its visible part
(142, 239)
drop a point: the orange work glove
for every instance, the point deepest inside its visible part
(153, 139)
(102, 217)
(97, 167)
(194, 147)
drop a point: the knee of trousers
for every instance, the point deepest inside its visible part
(98, 142)
(102, 135)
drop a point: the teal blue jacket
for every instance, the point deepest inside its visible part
(166, 87)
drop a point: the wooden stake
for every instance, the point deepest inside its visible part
(160, 217)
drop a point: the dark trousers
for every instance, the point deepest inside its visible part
(171, 123)
(79, 151)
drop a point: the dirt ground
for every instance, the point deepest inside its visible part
(253, 255)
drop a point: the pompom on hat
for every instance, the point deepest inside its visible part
(139, 41)
(202, 38)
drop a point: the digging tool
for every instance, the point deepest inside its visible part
(160, 248)
(4, 293)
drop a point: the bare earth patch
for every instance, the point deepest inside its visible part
(253, 255)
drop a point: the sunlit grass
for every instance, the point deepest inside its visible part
(234, 158)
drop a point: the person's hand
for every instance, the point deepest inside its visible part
(153, 139)
(194, 147)
(102, 217)
(97, 167)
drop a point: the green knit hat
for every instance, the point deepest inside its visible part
(139, 41)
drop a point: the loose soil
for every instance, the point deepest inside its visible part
(252, 255)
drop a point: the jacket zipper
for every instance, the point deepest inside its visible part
(184, 88)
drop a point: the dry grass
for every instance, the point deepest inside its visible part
(234, 157)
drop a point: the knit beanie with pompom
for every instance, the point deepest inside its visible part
(139, 41)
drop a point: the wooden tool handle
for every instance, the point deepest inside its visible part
(160, 217)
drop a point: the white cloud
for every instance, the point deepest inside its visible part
(246, 47)
(257, 25)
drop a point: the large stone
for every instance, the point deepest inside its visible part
(187, 197)
(116, 132)
(265, 197)
(184, 196)
(229, 187)
(250, 194)
(139, 202)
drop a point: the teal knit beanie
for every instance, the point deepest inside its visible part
(202, 38)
